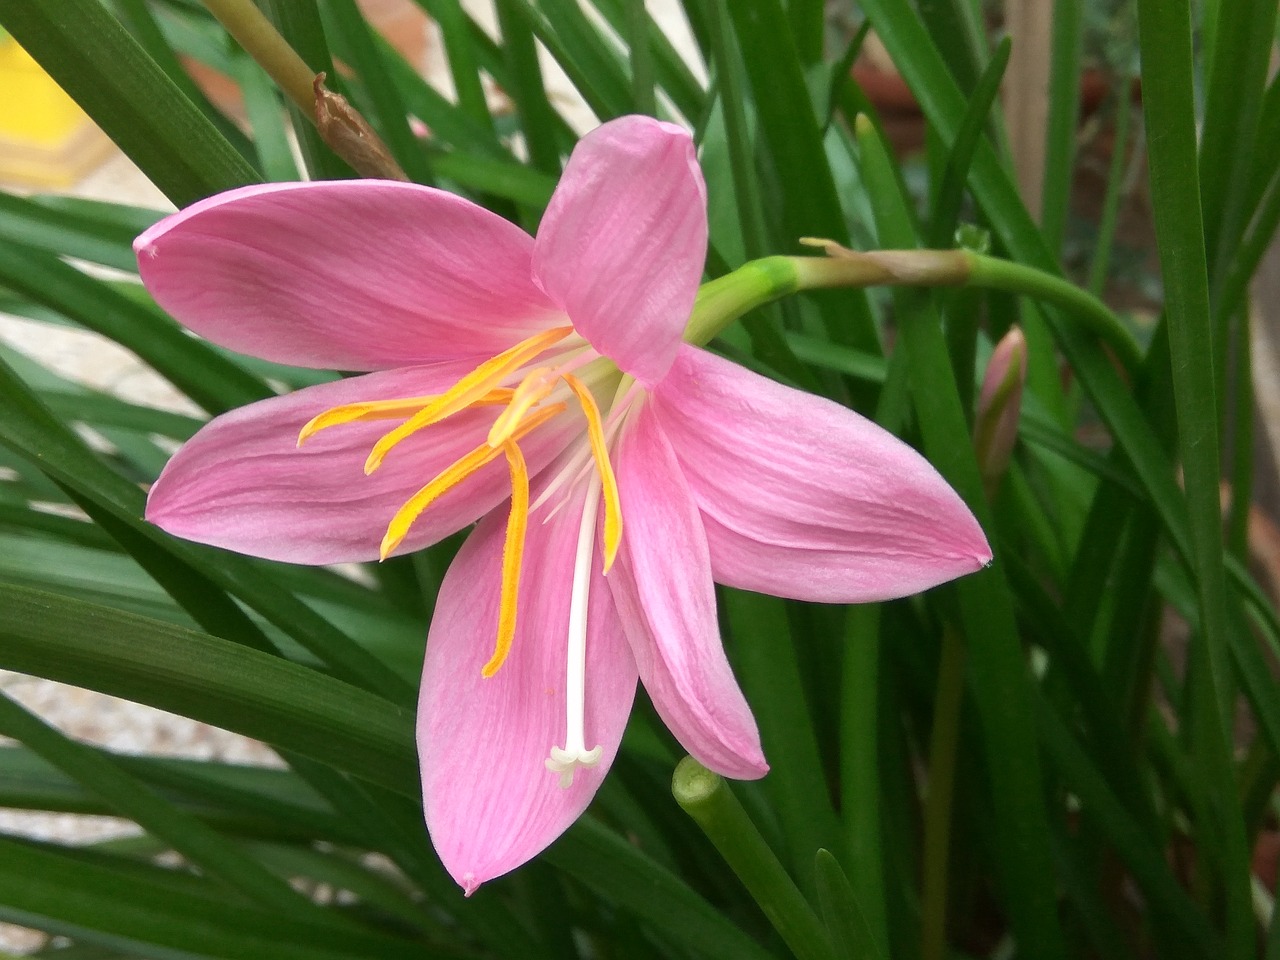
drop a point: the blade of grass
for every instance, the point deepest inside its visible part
(526, 87)
(950, 194)
(147, 913)
(1168, 105)
(464, 66)
(500, 178)
(195, 593)
(392, 823)
(673, 74)
(1064, 115)
(448, 123)
(1249, 255)
(265, 114)
(1244, 33)
(641, 58)
(766, 661)
(75, 231)
(144, 26)
(608, 865)
(1145, 859)
(238, 800)
(944, 742)
(998, 677)
(960, 41)
(764, 329)
(1266, 145)
(590, 61)
(1241, 446)
(129, 798)
(811, 205)
(213, 680)
(1116, 173)
(861, 711)
(840, 75)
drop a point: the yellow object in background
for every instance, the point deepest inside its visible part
(45, 139)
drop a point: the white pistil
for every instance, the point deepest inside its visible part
(575, 753)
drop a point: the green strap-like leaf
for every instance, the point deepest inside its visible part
(146, 914)
(1168, 105)
(998, 673)
(610, 866)
(209, 679)
(127, 797)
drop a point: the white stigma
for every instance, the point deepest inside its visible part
(564, 761)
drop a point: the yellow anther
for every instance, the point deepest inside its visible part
(533, 389)
(467, 391)
(383, 410)
(453, 475)
(608, 484)
(512, 555)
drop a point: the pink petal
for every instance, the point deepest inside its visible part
(351, 274)
(662, 584)
(491, 804)
(803, 498)
(243, 483)
(622, 244)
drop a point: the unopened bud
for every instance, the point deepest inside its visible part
(999, 403)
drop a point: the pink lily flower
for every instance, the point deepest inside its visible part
(540, 386)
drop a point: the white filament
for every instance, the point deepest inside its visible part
(574, 754)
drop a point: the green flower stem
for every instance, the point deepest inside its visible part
(341, 127)
(1092, 313)
(705, 797)
(943, 743)
(725, 299)
(253, 31)
(757, 282)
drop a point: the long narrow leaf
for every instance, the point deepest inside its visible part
(213, 680)
(123, 909)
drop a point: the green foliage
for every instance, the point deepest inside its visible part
(1016, 764)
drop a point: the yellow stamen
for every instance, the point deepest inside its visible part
(384, 410)
(467, 391)
(451, 476)
(533, 389)
(512, 554)
(608, 485)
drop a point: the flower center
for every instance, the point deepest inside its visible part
(524, 411)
